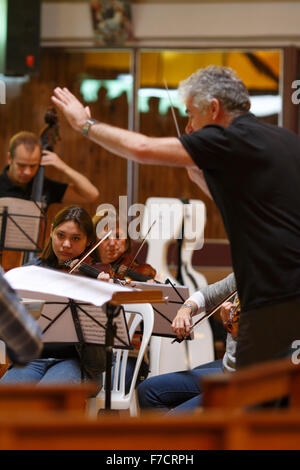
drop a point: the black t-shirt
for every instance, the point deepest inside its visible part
(53, 191)
(253, 172)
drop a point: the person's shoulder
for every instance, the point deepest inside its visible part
(209, 133)
(3, 174)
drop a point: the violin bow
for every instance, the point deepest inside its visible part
(172, 109)
(211, 312)
(90, 251)
(207, 315)
(142, 244)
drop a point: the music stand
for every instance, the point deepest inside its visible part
(20, 225)
(165, 313)
(72, 322)
(67, 320)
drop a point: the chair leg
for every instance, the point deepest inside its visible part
(133, 407)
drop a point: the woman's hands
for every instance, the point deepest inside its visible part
(182, 323)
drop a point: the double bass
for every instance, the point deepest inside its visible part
(49, 136)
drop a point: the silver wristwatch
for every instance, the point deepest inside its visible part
(88, 124)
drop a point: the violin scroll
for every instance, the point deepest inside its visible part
(231, 321)
(50, 133)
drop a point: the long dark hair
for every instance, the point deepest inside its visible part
(79, 216)
(128, 246)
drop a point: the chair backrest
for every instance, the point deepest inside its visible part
(253, 385)
(193, 239)
(168, 215)
(135, 314)
(28, 398)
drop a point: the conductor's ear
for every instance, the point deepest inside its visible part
(215, 108)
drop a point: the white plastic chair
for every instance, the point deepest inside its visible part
(120, 400)
(169, 213)
(193, 239)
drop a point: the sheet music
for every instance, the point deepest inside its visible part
(26, 215)
(57, 324)
(51, 285)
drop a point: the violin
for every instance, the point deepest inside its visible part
(123, 270)
(231, 324)
(91, 269)
(127, 267)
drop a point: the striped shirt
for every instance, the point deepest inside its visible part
(19, 331)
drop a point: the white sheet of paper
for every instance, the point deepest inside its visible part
(58, 326)
(48, 284)
(26, 215)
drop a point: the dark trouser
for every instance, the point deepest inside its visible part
(268, 332)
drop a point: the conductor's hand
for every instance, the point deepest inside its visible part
(75, 113)
(182, 322)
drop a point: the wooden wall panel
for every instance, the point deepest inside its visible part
(25, 111)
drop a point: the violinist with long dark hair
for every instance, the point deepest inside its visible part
(72, 233)
(117, 252)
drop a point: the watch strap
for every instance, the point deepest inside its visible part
(88, 124)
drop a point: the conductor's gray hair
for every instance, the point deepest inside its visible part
(217, 82)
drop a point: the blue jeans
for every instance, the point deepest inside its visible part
(45, 371)
(178, 391)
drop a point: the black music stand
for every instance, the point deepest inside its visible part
(165, 313)
(86, 324)
(59, 323)
(21, 225)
